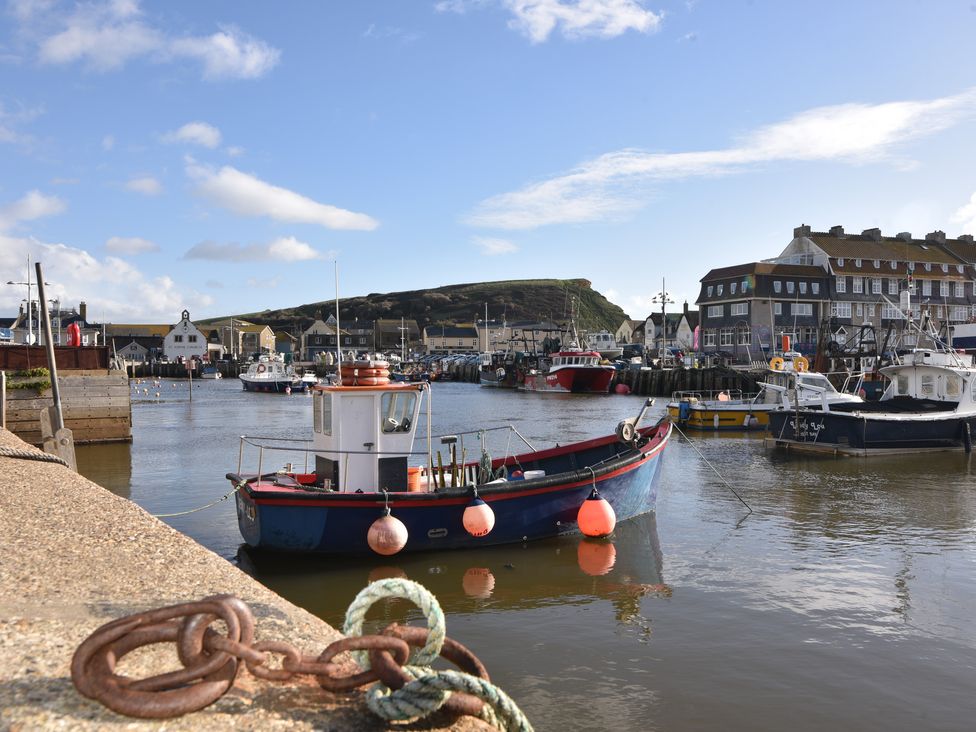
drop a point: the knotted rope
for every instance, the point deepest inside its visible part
(429, 689)
(43, 457)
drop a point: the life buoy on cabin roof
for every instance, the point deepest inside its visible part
(800, 363)
(260, 368)
(364, 380)
(365, 364)
(776, 363)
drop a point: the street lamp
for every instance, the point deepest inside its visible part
(663, 297)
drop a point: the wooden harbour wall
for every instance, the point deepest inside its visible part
(96, 405)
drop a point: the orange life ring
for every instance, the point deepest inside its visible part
(364, 380)
(365, 364)
(776, 364)
(370, 372)
(260, 369)
(801, 364)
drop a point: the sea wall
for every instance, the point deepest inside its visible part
(76, 556)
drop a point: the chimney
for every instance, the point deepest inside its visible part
(801, 230)
(872, 233)
(937, 236)
(837, 231)
(966, 237)
(83, 311)
(904, 235)
(686, 308)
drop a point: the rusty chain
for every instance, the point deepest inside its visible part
(211, 661)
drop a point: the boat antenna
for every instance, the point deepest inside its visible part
(338, 347)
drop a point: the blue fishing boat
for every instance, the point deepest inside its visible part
(362, 480)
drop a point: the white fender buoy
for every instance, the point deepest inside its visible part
(387, 535)
(478, 518)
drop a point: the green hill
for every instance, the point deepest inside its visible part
(515, 300)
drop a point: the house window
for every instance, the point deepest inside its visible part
(840, 261)
(841, 284)
(777, 286)
(910, 266)
(840, 309)
(858, 285)
(894, 264)
(719, 289)
(928, 266)
(790, 287)
(733, 287)
(926, 287)
(892, 286)
(860, 310)
(943, 288)
(740, 308)
(745, 336)
(709, 290)
(727, 337)
(815, 288)
(959, 268)
(803, 288)
(877, 264)
(938, 312)
(778, 308)
(192, 339)
(960, 289)
(959, 313)
(745, 285)
(177, 339)
(715, 311)
(802, 308)
(890, 312)
(709, 338)
(870, 310)
(945, 267)
(857, 262)
(876, 286)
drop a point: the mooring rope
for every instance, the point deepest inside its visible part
(429, 689)
(43, 457)
(721, 477)
(194, 510)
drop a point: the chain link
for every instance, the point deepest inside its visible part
(211, 661)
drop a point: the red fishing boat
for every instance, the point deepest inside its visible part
(573, 370)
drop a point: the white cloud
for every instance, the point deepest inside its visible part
(234, 151)
(33, 205)
(492, 247)
(612, 184)
(113, 289)
(537, 19)
(248, 195)
(966, 215)
(130, 245)
(108, 142)
(195, 133)
(107, 35)
(11, 119)
(283, 249)
(147, 185)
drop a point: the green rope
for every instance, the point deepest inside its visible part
(429, 689)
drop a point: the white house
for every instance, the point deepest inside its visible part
(185, 340)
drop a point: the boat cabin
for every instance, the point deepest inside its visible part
(931, 376)
(363, 435)
(575, 358)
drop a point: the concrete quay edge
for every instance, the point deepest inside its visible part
(74, 556)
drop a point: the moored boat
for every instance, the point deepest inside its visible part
(788, 375)
(570, 371)
(269, 374)
(603, 343)
(361, 466)
(210, 372)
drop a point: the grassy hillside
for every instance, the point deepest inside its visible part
(517, 300)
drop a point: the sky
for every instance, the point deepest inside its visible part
(225, 157)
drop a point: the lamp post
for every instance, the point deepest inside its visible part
(663, 297)
(56, 321)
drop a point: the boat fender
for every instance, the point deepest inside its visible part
(967, 437)
(596, 516)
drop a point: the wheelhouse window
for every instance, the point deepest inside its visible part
(396, 410)
(926, 386)
(322, 413)
(953, 386)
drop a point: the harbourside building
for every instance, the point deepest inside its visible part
(835, 285)
(184, 341)
(451, 339)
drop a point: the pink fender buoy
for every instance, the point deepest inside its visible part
(387, 535)
(622, 389)
(478, 518)
(596, 558)
(596, 516)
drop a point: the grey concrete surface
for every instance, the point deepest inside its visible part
(74, 556)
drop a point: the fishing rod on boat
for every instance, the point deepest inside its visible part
(721, 477)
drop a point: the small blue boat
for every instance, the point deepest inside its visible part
(360, 465)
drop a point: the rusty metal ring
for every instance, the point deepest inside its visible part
(389, 644)
(236, 616)
(93, 665)
(395, 677)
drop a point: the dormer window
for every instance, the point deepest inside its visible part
(719, 290)
(733, 287)
(710, 288)
(840, 261)
(877, 264)
(894, 264)
(910, 266)
(959, 268)
(945, 267)
(777, 286)
(928, 266)
(857, 262)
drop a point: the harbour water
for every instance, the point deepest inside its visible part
(844, 601)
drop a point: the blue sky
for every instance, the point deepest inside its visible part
(219, 156)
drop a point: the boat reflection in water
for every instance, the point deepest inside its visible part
(562, 570)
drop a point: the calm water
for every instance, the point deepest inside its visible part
(845, 601)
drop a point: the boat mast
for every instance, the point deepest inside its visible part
(338, 347)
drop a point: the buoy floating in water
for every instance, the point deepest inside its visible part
(478, 518)
(387, 535)
(596, 516)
